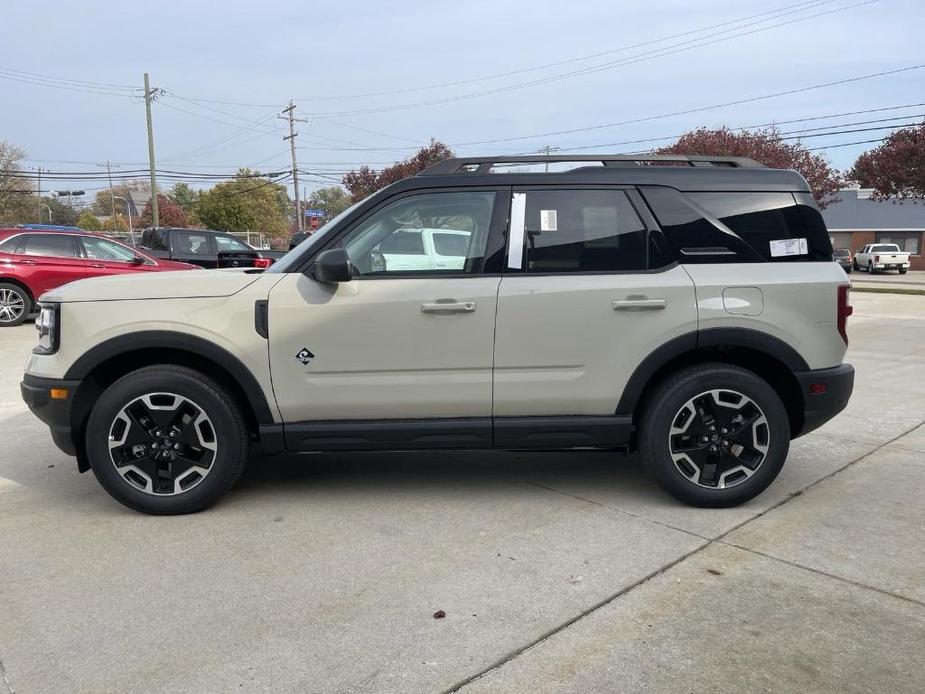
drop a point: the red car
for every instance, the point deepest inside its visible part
(32, 262)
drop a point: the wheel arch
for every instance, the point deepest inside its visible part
(108, 361)
(767, 356)
(19, 283)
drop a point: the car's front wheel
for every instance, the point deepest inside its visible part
(714, 435)
(15, 304)
(902, 271)
(166, 440)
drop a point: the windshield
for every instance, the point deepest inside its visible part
(292, 258)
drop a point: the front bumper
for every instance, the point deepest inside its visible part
(56, 413)
(820, 407)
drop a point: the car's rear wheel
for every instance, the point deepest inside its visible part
(870, 268)
(854, 265)
(166, 440)
(902, 271)
(15, 304)
(714, 435)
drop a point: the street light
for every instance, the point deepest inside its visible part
(49, 212)
(128, 211)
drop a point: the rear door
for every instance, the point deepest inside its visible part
(588, 293)
(49, 260)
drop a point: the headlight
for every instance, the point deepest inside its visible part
(48, 326)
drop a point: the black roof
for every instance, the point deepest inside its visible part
(685, 173)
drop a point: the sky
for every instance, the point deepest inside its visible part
(376, 80)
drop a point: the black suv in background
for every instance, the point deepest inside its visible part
(204, 247)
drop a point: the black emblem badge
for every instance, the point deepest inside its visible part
(304, 356)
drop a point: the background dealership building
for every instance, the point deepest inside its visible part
(856, 219)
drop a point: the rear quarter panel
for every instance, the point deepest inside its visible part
(799, 304)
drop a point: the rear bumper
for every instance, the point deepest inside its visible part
(56, 413)
(820, 407)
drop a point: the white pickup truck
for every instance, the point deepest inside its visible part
(881, 256)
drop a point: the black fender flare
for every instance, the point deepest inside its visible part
(165, 339)
(711, 337)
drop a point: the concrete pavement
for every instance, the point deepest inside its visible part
(557, 572)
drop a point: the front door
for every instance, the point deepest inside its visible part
(586, 296)
(403, 340)
(106, 257)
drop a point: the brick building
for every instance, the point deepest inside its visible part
(855, 219)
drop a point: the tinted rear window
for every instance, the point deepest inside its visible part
(740, 227)
(403, 243)
(52, 245)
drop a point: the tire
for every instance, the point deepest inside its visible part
(847, 270)
(870, 268)
(737, 473)
(15, 304)
(187, 419)
(902, 271)
(854, 265)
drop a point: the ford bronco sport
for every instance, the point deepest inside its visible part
(684, 307)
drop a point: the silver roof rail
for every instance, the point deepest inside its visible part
(482, 165)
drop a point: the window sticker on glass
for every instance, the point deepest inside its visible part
(784, 247)
(549, 220)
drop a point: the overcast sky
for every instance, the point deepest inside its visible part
(362, 68)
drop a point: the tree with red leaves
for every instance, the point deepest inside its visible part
(365, 181)
(766, 147)
(895, 169)
(169, 213)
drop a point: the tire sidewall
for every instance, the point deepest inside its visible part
(230, 435)
(668, 401)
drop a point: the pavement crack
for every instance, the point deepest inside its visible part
(820, 572)
(618, 510)
(501, 662)
(581, 615)
(6, 680)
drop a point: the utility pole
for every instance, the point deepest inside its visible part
(150, 95)
(546, 150)
(112, 199)
(39, 186)
(295, 170)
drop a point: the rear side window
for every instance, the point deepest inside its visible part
(582, 231)
(451, 244)
(155, 240)
(187, 243)
(740, 227)
(52, 245)
(404, 242)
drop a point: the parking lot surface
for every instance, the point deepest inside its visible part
(556, 572)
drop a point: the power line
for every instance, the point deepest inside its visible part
(657, 53)
(699, 109)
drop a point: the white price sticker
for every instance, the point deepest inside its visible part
(549, 220)
(784, 247)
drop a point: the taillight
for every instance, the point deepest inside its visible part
(876, 258)
(844, 310)
(262, 262)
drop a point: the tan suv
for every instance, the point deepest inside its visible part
(687, 307)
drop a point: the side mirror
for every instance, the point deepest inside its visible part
(332, 266)
(138, 260)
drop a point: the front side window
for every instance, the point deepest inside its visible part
(230, 243)
(53, 245)
(101, 249)
(188, 243)
(582, 231)
(400, 237)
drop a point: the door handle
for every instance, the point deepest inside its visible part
(448, 307)
(97, 265)
(639, 304)
(27, 262)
